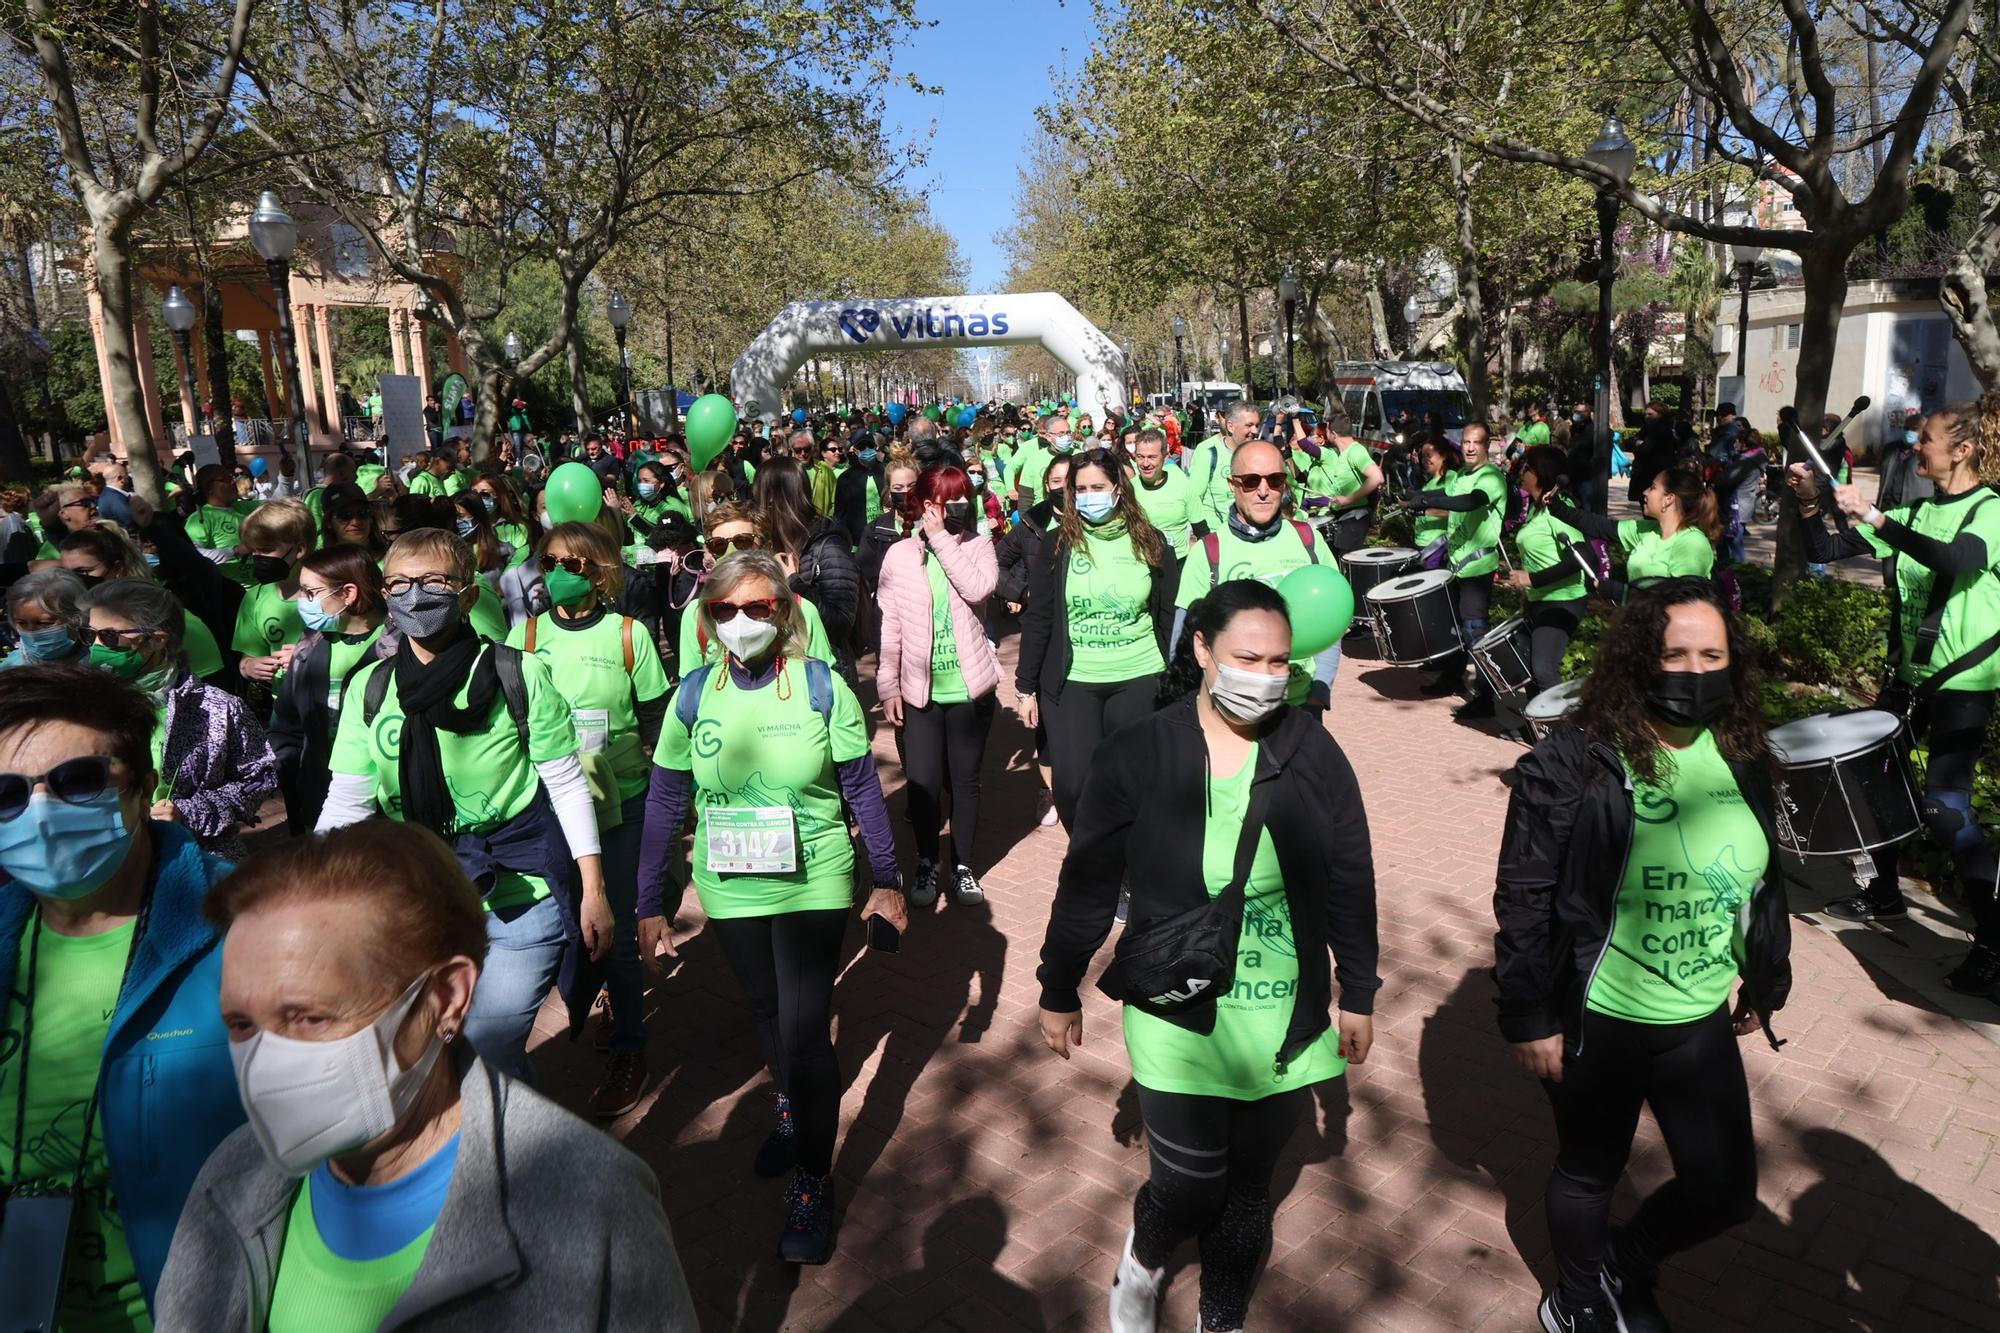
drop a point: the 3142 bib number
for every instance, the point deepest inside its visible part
(752, 840)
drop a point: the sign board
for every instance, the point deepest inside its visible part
(1729, 389)
(402, 418)
(655, 411)
(205, 451)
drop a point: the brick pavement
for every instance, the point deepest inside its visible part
(987, 1185)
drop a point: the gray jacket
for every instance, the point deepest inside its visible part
(548, 1225)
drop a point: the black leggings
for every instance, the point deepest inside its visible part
(940, 741)
(1550, 625)
(1691, 1074)
(1212, 1162)
(1955, 722)
(1085, 715)
(786, 965)
(1474, 596)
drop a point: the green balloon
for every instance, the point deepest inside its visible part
(575, 494)
(711, 422)
(1320, 605)
(933, 412)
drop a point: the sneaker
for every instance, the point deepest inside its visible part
(966, 891)
(623, 1086)
(1560, 1317)
(1633, 1308)
(1135, 1294)
(1124, 904)
(1979, 974)
(923, 889)
(1474, 709)
(781, 1147)
(1049, 816)
(1449, 683)
(808, 1234)
(1861, 908)
(606, 1022)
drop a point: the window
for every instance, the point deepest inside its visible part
(1792, 337)
(350, 251)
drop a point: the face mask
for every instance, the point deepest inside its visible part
(316, 617)
(155, 682)
(423, 614)
(565, 588)
(1909, 437)
(89, 580)
(958, 517)
(124, 663)
(269, 568)
(1055, 496)
(152, 559)
(865, 457)
(311, 1100)
(648, 489)
(1062, 444)
(483, 500)
(62, 850)
(745, 638)
(45, 645)
(904, 503)
(977, 479)
(1095, 506)
(1246, 696)
(466, 527)
(1689, 698)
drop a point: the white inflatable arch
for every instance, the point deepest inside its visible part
(919, 323)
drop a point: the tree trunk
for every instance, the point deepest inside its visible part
(111, 249)
(579, 389)
(1507, 351)
(1824, 270)
(1378, 319)
(488, 382)
(215, 340)
(1471, 312)
(1243, 331)
(15, 465)
(1963, 291)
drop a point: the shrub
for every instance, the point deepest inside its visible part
(1583, 646)
(1753, 585)
(1395, 530)
(1833, 632)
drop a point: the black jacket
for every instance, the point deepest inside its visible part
(876, 539)
(301, 731)
(1018, 551)
(831, 578)
(1562, 862)
(1045, 653)
(850, 497)
(1142, 820)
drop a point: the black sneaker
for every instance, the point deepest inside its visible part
(1862, 908)
(923, 889)
(808, 1236)
(1979, 974)
(1449, 683)
(777, 1153)
(1631, 1295)
(1124, 905)
(965, 890)
(1558, 1316)
(1474, 709)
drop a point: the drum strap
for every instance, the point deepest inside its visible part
(1931, 627)
(1472, 558)
(1966, 661)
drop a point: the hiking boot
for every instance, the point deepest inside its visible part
(923, 889)
(623, 1086)
(1559, 1316)
(1630, 1293)
(781, 1147)
(1862, 908)
(965, 891)
(808, 1234)
(1135, 1294)
(1979, 974)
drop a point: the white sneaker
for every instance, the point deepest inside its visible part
(1135, 1294)
(1049, 815)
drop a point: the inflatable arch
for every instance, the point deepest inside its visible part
(918, 323)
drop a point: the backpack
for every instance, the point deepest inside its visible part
(1211, 542)
(513, 688)
(528, 641)
(687, 695)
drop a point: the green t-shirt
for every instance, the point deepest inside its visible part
(817, 643)
(76, 985)
(1426, 529)
(457, 482)
(1532, 434)
(198, 642)
(947, 680)
(266, 620)
(1268, 562)
(587, 666)
(1105, 598)
(1208, 468)
(1650, 556)
(422, 482)
(1479, 529)
(217, 529)
(342, 658)
(767, 749)
(1972, 612)
(488, 616)
(1030, 466)
(1237, 1059)
(1339, 472)
(516, 536)
(1543, 542)
(317, 1291)
(1698, 855)
(490, 778)
(1171, 506)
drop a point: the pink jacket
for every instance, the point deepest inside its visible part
(903, 597)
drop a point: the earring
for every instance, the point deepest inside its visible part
(447, 1034)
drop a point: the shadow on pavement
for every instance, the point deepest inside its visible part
(963, 1242)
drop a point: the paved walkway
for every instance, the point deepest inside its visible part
(987, 1185)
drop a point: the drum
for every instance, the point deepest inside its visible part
(1552, 706)
(1371, 566)
(1502, 657)
(1415, 618)
(1846, 788)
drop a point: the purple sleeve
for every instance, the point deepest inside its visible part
(862, 787)
(667, 798)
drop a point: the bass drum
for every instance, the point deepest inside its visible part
(1415, 618)
(1846, 788)
(1552, 706)
(1374, 565)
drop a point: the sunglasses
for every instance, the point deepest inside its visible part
(348, 516)
(91, 505)
(115, 638)
(721, 546)
(722, 612)
(575, 564)
(73, 782)
(1250, 481)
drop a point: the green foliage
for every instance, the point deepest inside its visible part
(1583, 646)
(1833, 632)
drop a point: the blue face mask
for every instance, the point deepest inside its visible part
(317, 617)
(648, 490)
(1909, 437)
(152, 559)
(1095, 506)
(65, 851)
(46, 645)
(866, 457)
(483, 500)
(466, 527)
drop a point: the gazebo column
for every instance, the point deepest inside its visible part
(149, 384)
(329, 384)
(274, 406)
(420, 351)
(399, 332)
(116, 435)
(183, 372)
(302, 342)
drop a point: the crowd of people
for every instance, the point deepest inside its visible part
(291, 1087)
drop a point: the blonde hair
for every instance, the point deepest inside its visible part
(433, 546)
(279, 523)
(735, 570)
(590, 541)
(1978, 424)
(701, 493)
(730, 512)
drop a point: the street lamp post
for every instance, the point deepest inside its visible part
(274, 236)
(619, 311)
(1614, 153)
(179, 313)
(1180, 358)
(1746, 257)
(1288, 293)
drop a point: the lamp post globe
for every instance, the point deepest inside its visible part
(513, 346)
(178, 311)
(272, 232)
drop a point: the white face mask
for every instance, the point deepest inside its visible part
(1246, 696)
(311, 1100)
(746, 638)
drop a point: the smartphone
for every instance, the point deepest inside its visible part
(882, 936)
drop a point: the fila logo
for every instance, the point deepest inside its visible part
(1195, 986)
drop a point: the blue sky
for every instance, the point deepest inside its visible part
(995, 60)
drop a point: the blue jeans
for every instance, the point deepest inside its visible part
(625, 980)
(524, 953)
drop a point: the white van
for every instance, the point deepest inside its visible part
(1211, 394)
(1388, 399)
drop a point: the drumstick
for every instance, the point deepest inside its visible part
(1789, 416)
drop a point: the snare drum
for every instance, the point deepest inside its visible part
(1371, 566)
(1415, 618)
(1552, 706)
(1502, 657)
(1846, 788)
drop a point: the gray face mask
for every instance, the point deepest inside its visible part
(419, 613)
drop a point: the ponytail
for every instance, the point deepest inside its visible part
(1698, 507)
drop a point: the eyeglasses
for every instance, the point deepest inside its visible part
(722, 612)
(73, 782)
(396, 587)
(116, 638)
(85, 503)
(721, 546)
(1251, 481)
(803, 452)
(575, 564)
(348, 516)
(832, 450)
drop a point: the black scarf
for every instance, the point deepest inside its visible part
(426, 691)
(1243, 528)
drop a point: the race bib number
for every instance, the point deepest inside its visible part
(593, 729)
(752, 840)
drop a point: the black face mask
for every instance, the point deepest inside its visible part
(269, 568)
(958, 518)
(1689, 698)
